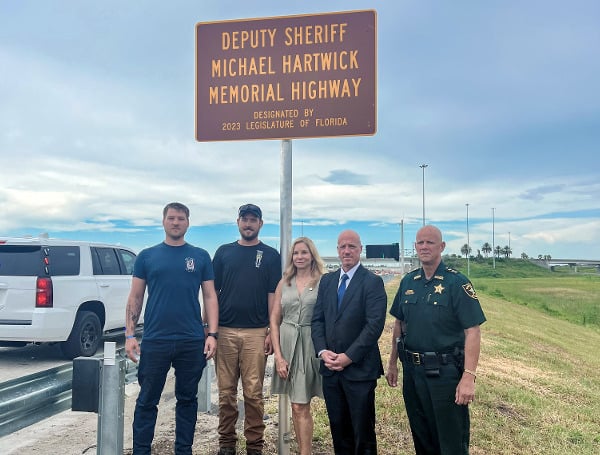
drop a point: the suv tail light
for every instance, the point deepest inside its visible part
(43, 295)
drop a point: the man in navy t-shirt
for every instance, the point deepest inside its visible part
(174, 272)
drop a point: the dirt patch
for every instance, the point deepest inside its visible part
(519, 374)
(75, 433)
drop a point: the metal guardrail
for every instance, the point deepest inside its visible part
(27, 400)
(30, 399)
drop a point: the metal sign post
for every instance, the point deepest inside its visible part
(285, 232)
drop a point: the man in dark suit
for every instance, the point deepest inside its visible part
(345, 336)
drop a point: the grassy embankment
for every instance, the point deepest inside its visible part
(538, 389)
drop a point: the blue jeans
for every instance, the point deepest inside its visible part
(157, 357)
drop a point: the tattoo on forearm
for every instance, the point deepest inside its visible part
(133, 316)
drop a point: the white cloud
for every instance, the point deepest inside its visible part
(500, 100)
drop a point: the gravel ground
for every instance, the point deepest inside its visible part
(75, 433)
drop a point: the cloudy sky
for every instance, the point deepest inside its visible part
(501, 100)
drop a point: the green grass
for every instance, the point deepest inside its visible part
(570, 296)
(505, 268)
(538, 388)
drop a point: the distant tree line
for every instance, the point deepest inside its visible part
(498, 251)
(487, 249)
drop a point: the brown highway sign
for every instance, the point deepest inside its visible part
(286, 77)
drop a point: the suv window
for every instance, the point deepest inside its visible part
(128, 260)
(63, 260)
(106, 261)
(28, 260)
(20, 260)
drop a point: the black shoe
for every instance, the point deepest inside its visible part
(253, 452)
(226, 451)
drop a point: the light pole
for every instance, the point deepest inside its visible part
(493, 244)
(423, 166)
(468, 244)
(402, 247)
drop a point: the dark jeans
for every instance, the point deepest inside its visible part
(157, 357)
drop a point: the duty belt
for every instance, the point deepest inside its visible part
(418, 358)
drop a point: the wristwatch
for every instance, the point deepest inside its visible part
(215, 335)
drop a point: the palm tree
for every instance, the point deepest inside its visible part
(498, 251)
(524, 256)
(506, 251)
(465, 249)
(487, 249)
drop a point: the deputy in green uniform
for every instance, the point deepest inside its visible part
(437, 338)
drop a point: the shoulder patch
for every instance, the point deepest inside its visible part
(469, 290)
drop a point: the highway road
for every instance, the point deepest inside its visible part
(19, 362)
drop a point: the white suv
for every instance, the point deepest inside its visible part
(62, 291)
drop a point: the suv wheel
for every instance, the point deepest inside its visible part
(85, 336)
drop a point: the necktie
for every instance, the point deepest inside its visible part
(342, 289)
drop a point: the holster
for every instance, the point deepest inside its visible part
(401, 349)
(431, 364)
(459, 358)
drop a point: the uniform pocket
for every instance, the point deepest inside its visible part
(410, 299)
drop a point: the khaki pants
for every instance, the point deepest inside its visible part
(240, 354)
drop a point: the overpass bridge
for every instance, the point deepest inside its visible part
(573, 263)
(411, 263)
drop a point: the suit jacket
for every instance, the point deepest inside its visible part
(355, 328)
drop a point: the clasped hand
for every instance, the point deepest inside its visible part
(334, 361)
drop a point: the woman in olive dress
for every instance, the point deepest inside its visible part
(296, 365)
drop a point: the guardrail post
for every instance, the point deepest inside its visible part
(204, 387)
(111, 410)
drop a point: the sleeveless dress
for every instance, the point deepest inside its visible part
(304, 380)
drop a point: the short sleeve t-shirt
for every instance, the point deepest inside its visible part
(174, 276)
(244, 276)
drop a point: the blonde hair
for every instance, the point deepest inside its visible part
(316, 264)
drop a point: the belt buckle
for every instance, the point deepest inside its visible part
(416, 358)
